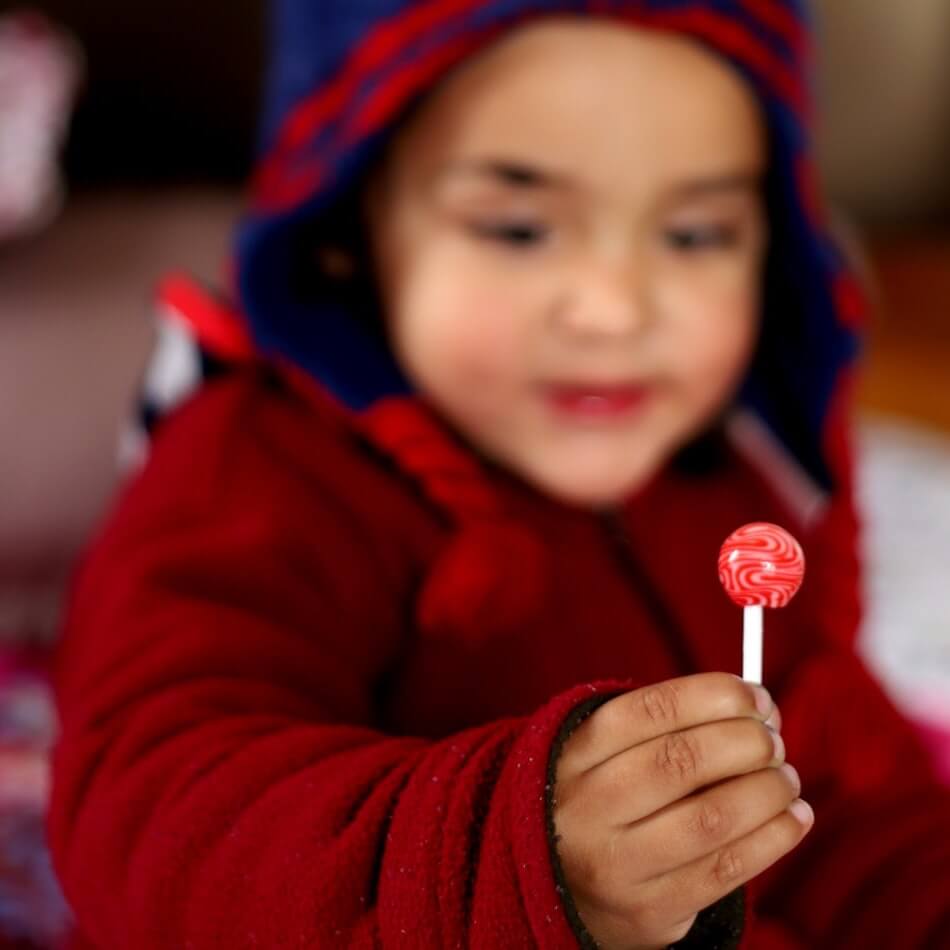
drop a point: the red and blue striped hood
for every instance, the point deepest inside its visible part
(344, 71)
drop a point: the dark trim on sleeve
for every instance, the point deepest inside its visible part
(576, 717)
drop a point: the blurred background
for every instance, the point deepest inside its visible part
(146, 112)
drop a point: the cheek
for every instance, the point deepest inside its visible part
(450, 329)
(724, 350)
(716, 340)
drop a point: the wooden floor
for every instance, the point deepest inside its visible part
(907, 365)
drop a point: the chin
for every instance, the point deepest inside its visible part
(593, 489)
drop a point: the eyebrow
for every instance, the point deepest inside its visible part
(511, 172)
(717, 184)
(519, 174)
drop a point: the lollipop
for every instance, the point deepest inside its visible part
(760, 565)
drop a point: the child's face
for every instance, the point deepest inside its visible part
(568, 236)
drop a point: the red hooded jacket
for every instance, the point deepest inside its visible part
(317, 674)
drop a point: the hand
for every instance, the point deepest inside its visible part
(666, 799)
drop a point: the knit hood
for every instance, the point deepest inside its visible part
(344, 73)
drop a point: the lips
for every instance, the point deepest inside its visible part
(596, 401)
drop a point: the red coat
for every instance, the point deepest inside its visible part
(314, 677)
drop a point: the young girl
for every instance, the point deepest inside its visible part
(409, 633)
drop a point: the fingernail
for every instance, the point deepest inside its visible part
(775, 719)
(779, 743)
(803, 812)
(791, 773)
(763, 701)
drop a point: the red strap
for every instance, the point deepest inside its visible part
(219, 328)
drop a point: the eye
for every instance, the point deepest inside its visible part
(520, 234)
(702, 238)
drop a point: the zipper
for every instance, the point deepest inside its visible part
(673, 635)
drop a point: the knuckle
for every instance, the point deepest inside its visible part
(678, 756)
(727, 867)
(710, 821)
(660, 704)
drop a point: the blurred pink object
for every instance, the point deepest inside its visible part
(40, 68)
(938, 741)
(33, 913)
(930, 713)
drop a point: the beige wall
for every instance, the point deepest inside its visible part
(884, 101)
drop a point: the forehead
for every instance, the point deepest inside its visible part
(602, 101)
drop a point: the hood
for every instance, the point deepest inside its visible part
(343, 73)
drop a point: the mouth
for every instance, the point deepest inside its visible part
(596, 401)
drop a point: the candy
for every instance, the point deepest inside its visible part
(761, 565)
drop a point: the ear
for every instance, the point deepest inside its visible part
(335, 263)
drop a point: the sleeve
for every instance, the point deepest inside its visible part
(220, 780)
(875, 869)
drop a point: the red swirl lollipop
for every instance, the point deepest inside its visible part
(760, 565)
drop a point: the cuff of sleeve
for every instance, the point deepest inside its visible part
(551, 914)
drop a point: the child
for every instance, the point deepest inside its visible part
(409, 633)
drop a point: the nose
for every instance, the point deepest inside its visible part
(604, 300)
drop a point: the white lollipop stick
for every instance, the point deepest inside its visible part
(752, 644)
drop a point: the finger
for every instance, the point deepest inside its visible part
(670, 706)
(642, 780)
(689, 889)
(694, 827)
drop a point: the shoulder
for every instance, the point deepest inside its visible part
(252, 446)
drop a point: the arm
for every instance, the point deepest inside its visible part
(220, 780)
